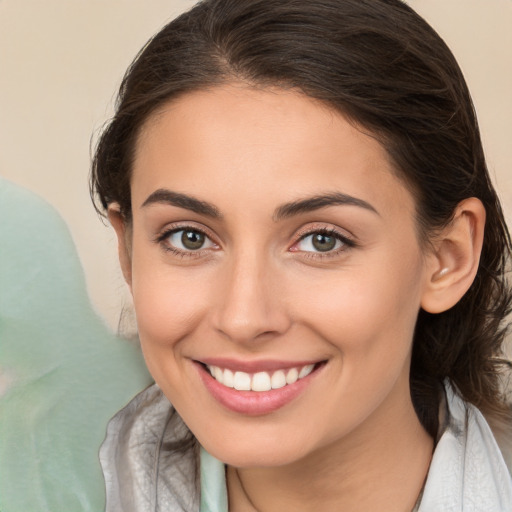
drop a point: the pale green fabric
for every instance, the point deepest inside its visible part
(214, 496)
(62, 373)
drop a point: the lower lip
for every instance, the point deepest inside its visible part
(254, 403)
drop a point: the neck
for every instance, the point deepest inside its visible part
(381, 465)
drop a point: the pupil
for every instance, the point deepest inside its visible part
(192, 240)
(324, 243)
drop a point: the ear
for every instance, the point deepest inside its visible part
(453, 263)
(123, 233)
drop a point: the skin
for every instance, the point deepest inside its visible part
(259, 291)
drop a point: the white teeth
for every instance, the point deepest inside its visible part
(218, 374)
(242, 381)
(260, 381)
(292, 376)
(228, 379)
(306, 370)
(278, 379)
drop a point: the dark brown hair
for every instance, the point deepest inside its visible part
(385, 68)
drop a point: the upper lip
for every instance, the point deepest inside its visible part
(265, 365)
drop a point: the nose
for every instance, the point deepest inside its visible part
(251, 305)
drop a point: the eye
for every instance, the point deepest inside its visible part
(187, 240)
(322, 241)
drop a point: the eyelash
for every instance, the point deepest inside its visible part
(162, 240)
(347, 243)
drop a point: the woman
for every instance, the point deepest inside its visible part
(317, 260)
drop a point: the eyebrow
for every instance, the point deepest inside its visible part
(165, 196)
(317, 202)
(298, 207)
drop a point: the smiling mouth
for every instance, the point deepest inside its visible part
(259, 381)
(257, 388)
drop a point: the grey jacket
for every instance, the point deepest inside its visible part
(151, 463)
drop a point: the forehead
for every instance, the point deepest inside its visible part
(271, 142)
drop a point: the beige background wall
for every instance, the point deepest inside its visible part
(61, 61)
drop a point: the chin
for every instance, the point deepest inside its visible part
(251, 453)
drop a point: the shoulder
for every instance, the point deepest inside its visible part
(468, 471)
(149, 458)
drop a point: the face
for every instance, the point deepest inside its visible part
(276, 273)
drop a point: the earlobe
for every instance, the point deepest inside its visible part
(122, 230)
(453, 264)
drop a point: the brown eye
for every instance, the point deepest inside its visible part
(328, 242)
(192, 240)
(323, 243)
(187, 240)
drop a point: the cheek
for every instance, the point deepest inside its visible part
(169, 302)
(169, 308)
(368, 309)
